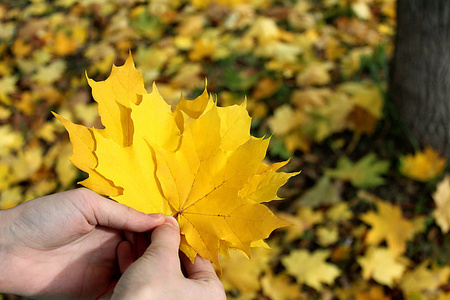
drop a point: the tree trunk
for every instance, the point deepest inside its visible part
(420, 74)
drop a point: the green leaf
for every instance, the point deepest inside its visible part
(324, 192)
(365, 173)
(277, 147)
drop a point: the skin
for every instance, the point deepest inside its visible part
(76, 244)
(157, 273)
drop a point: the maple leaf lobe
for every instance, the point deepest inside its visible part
(198, 163)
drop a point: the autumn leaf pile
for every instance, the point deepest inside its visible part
(370, 212)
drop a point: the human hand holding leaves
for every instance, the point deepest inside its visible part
(198, 163)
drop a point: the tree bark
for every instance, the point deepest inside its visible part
(420, 74)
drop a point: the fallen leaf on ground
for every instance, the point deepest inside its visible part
(374, 293)
(304, 219)
(365, 173)
(311, 268)
(324, 192)
(388, 225)
(280, 287)
(442, 199)
(422, 282)
(382, 265)
(243, 274)
(422, 166)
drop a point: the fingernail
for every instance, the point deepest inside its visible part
(155, 216)
(172, 222)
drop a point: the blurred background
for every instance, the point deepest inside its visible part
(371, 208)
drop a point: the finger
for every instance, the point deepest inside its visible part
(166, 236)
(101, 211)
(200, 269)
(125, 255)
(164, 246)
(130, 236)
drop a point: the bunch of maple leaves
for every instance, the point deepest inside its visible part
(314, 74)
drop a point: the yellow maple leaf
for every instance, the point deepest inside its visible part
(374, 293)
(327, 236)
(442, 200)
(422, 166)
(7, 86)
(339, 212)
(11, 197)
(198, 163)
(311, 268)
(5, 176)
(50, 73)
(304, 219)
(280, 287)
(316, 73)
(63, 44)
(423, 282)
(284, 120)
(10, 140)
(26, 163)
(361, 10)
(265, 88)
(265, 31)
(21, 48)
(382, 265)
(352, 61)
(388, 224)
(65, 171)
(41, 188)
(204, 47)
(242, 274)
(366, 95)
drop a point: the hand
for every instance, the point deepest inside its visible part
(157, 273)
(66, 244)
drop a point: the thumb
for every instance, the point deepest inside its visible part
(165, 242)
(158, 268)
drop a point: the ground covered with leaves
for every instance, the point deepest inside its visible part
(370, 209)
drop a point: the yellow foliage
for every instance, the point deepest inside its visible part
(292, 60)
(339, 212)
(7, 86)
(21, 48)
(388, 224)
(315, 74)
(374, 293)
(311, 268)
(280, 287)
(186, 163)
(304, 219)
(422, 282)
(10, 140)
(327, 236)
(442, 200)
(243, 274)
(285, 119)
(422, 166)
(382, 265)
(365, 95)
(11, 197)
